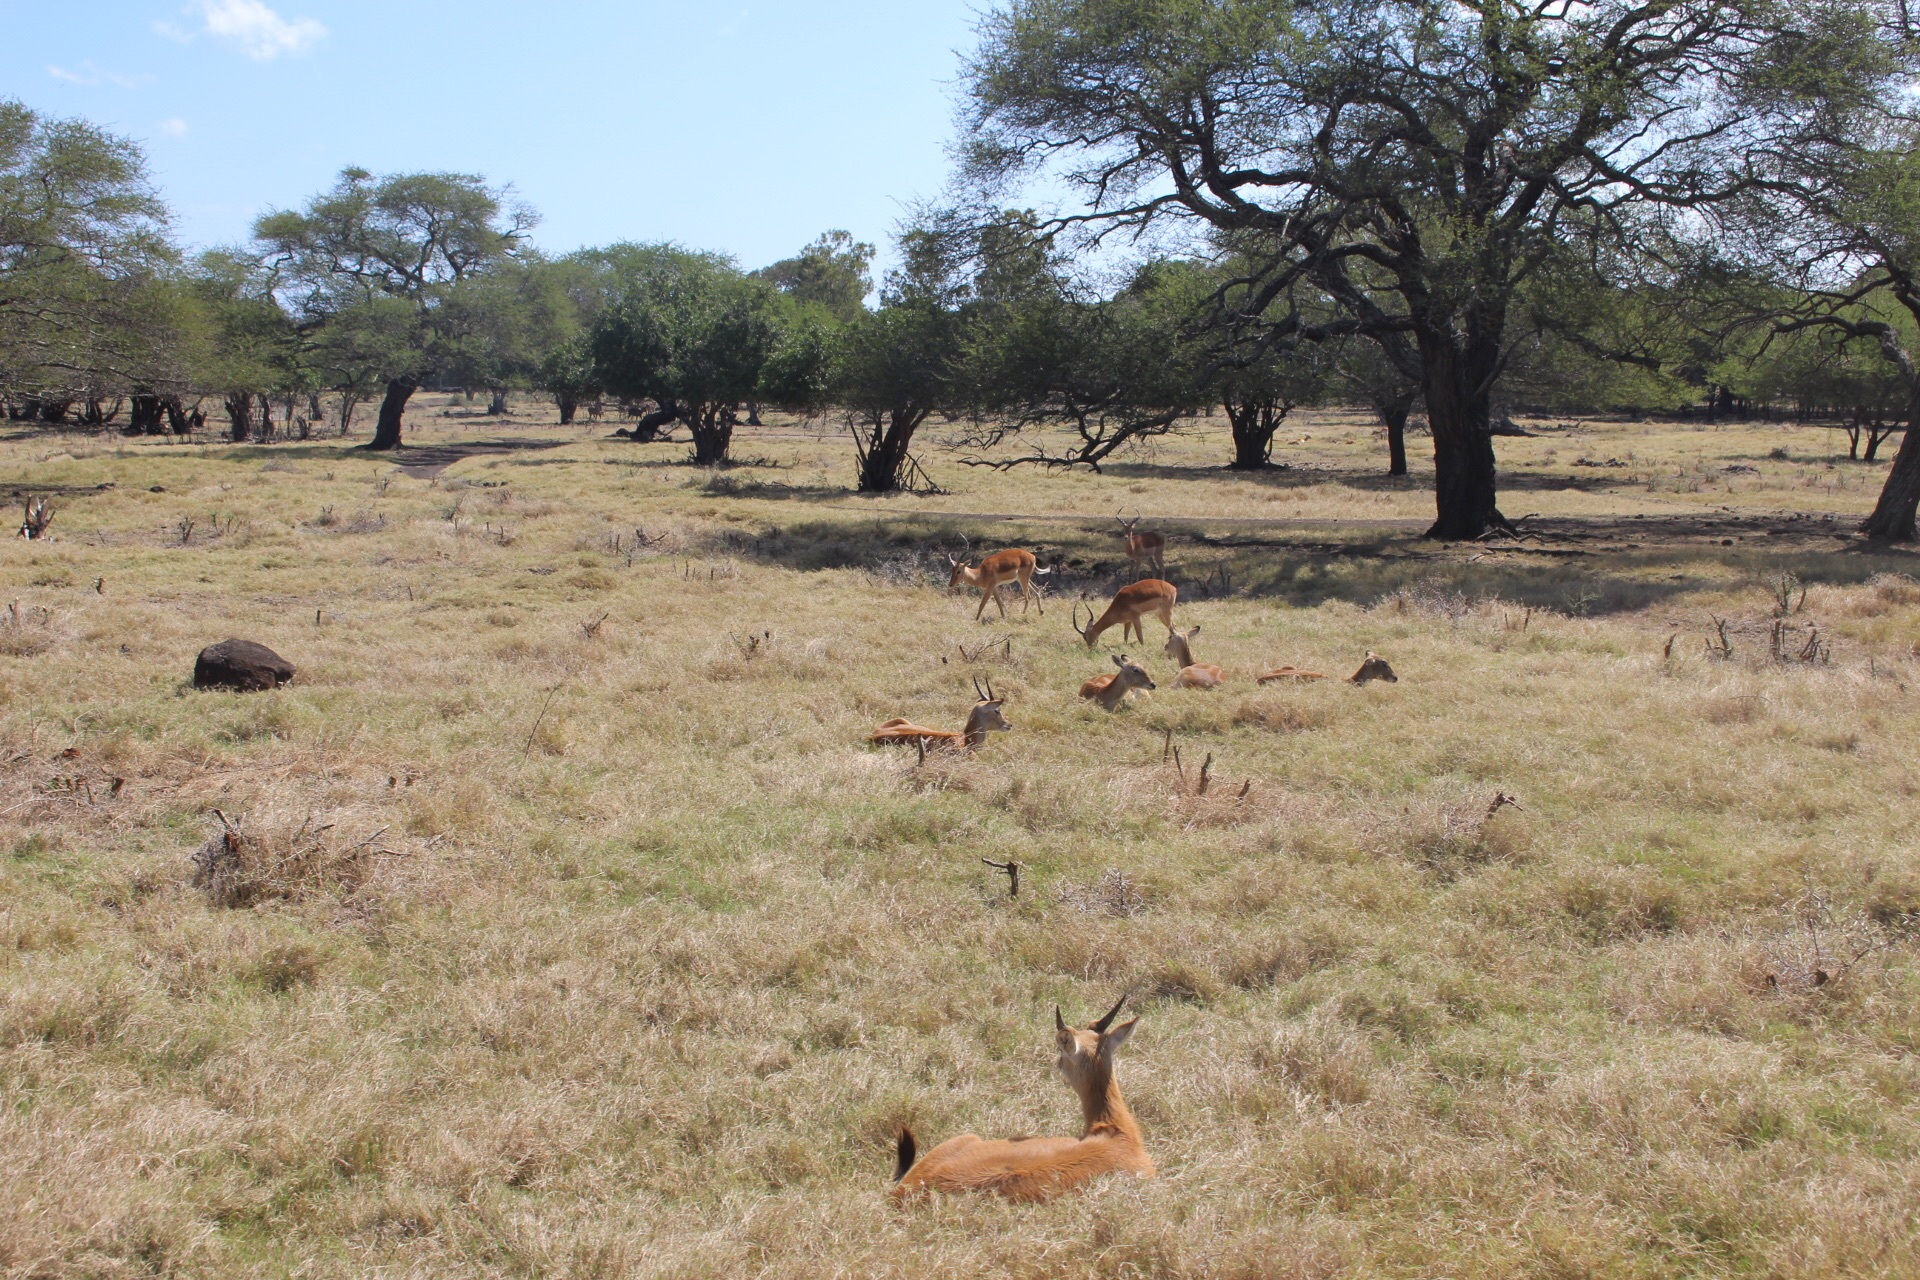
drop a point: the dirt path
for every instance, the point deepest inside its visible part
(428, 462)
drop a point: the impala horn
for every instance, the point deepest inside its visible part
(1102, 1025)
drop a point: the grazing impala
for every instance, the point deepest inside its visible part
(984, 718)
(1193, 675)
(1129, 605)
(1111, 690)
(1143, 548)
(1041, 1168)
(995, 571)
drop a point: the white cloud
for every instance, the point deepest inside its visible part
(88, 76)
(249, 26)
(174, 127)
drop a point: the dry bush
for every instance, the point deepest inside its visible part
(1321, 1058)
(263, 856)
(1113, 894)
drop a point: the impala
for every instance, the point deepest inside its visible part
(1110, 690)
(1150, 548)
(1193, 675)
(994, 572)
(1129, 605)
(985, 717)
(1041, 1168)
(1291, 673)
(1374, 668)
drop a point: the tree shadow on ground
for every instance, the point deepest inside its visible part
(1588, 567)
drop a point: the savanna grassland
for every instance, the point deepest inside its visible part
(574, 929)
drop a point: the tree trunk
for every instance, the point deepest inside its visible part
(1892, 518)
(712, 428)
(347, 403)
(882, 448)
(1255, 423)
(567, 407)
(1458, 410)
(266, 416)
(753, 414)
(240, 416)
(497, 405)
(647, 429)
(1394, 411)
(145, 418)
(386, 431)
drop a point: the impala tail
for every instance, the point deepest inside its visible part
(903, 1161)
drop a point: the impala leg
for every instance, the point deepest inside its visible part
(984, 597)
(999, 600)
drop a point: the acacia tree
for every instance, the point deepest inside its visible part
(1415, 163)
(84, 303)
(408, 238)
(832, 273)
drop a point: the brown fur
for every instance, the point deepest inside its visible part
(984, 718)
(995, 571)
(1143, 548)
(1374, 668)
(1193, 675)
(1291, 673)
(1110, 690)
(1041, 1168)
(1130, 604)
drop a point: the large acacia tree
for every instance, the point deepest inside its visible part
(411, 239)
(1416, 162)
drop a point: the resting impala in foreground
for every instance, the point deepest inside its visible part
(1040, 1168)
(1110, 690)
(1130, 604)
(984, 718)
(1193, 675)
(1143, 548)
(994, 572)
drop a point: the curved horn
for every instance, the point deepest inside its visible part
(1076, 620)
(1059, 1022)
(1102, 1025)
(984, 697)
(990, 697)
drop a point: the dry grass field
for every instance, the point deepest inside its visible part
(573, 929)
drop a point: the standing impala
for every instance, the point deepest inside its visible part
(1193, 675)
(985, 717)
(1148, 548)
(996, 570)
(1130, 604)
(1041, 1168)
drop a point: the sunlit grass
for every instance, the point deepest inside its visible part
(628, 956)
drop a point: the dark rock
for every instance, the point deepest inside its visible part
(240, 664)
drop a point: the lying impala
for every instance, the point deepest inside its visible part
(996, 571)
(1149, 548)
(1111, 689)
(1193, 675)
(1374, 668)
(985, 717)
(1041, 1168)
(1129, 605)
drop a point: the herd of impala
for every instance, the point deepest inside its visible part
(1038, 1168)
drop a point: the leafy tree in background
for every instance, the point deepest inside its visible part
(1415, 163)
(409, 238)
(83, 253)
(832, 273)
(249, 346)
(695, 335)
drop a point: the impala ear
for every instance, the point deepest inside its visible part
(1120, 659)
(1111, 1040)
(1194, 630)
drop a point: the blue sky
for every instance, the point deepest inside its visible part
(747, 128)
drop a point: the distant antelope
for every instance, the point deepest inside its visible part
(1110, 690)
(1374, 668)
(1148, 548)
(1291, 673)
(996, 570)
(1129, 605)
(985, 717)
(1041, 1168)
(1193, 675)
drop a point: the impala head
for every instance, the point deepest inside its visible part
(1132, 674)
(1178, 644)
(1374, 668)
(1086, 1055)
(1126, 525)
(987, 713)
(960, 568)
